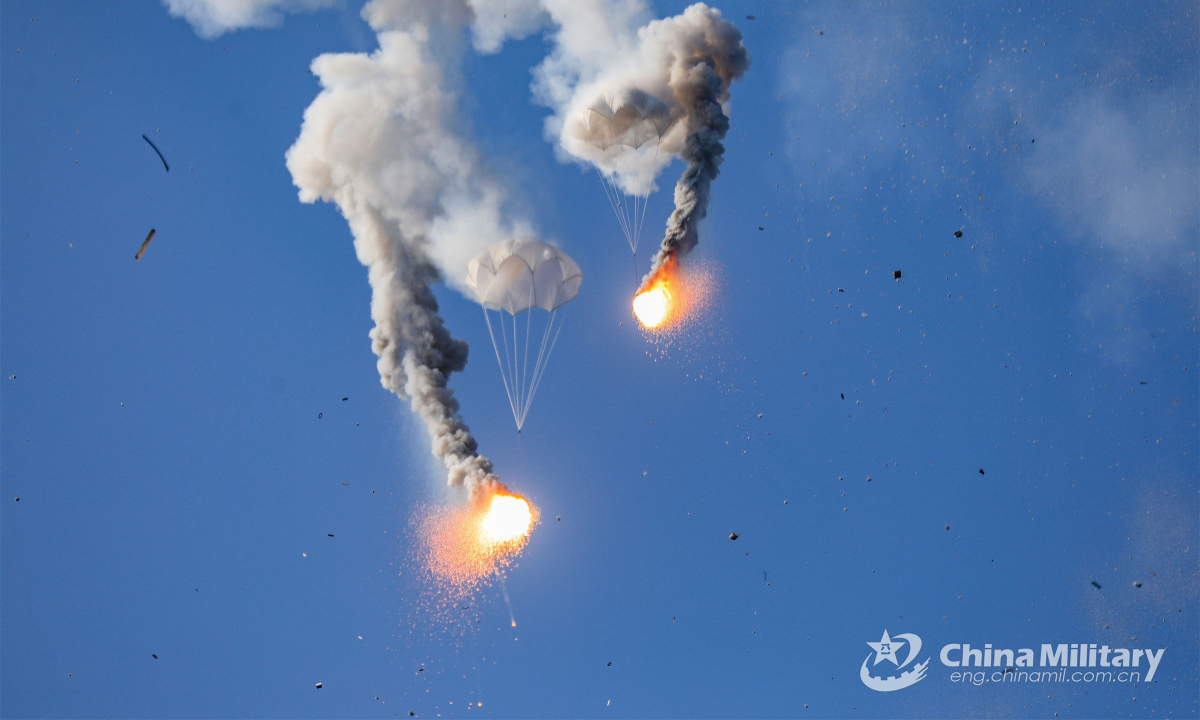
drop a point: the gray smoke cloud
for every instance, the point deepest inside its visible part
(384, 141)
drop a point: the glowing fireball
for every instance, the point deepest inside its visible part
(508, 519)
(652, 306)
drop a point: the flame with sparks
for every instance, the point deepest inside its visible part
(653, 305)
(508, 520)
(466, 545)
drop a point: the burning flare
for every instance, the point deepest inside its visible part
(508, 519)
(652, 306)
(462, 546)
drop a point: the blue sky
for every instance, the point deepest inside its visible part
(178, 440)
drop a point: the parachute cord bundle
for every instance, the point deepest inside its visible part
(520, 276)
(519, 384)
(631, 222)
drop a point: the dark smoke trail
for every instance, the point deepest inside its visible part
(381, 140)
(703, 152)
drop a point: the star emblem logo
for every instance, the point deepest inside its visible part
(885, 649)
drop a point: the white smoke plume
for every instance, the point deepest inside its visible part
(687, 61)
(384, 140)
(212, 18)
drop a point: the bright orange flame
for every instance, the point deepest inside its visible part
(508, 519)
(462, 546)
(653, 306)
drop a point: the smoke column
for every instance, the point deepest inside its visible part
(383, 141)
(710, 55)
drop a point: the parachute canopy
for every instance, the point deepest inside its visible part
(621, 134)
(517, 275)
(630, 119)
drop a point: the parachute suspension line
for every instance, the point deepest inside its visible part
(646, 202)
(515, 368)
(525, 363)
(543, 359)
(508, 389)
(614, 201)
(631, 219)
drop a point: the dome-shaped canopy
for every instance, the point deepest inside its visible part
(516, 275)
(632, 118)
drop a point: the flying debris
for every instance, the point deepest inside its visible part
(958, 233)
(733, 536)
(1097, 585)
(896, 274)
(1137, 584)
(319, 686)
(518, 277)
(153, 656)
(145, 243)
(981, 472)
(160, 155)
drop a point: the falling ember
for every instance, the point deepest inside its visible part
(652, 306)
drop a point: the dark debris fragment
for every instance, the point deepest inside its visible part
(145, 243)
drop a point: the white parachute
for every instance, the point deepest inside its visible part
(515, 277)
(621, 135)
